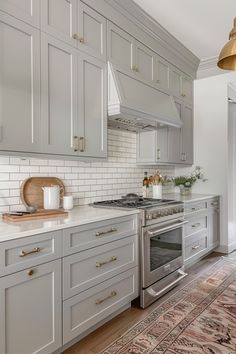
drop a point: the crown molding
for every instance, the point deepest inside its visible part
(208, 67)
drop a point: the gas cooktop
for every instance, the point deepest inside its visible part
(133, 201)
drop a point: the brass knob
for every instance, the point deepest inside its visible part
(81, 40)
(183, 95)
(75, 36)
(30, 272)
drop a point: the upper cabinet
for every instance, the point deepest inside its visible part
(19, 86)
(145, 62)
(181, 85)
(25, 10)
(186, 147)
(76, 24)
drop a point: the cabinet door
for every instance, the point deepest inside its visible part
(121, 47)
(19, 85)
(59, 96)
(187, 88)
(162, 145)
(213, 229)
(174, 139)
(58, 18)
(176, 82)
(92, 106)
(25, 10)
(186, 152)
(30, 307)
(146, 147)
(162, 71)
(91, 34)
(145, 60)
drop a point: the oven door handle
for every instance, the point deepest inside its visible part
(168, 228)
(155, 294)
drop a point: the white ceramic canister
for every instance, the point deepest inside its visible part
(157, 191)
(68, 202)
(51, 197)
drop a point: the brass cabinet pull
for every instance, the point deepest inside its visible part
(183, 95)
(195, 247)
(183, 156)
(81, 144)
(196, 225)
(100, 301)
(75, 143)
(101, 233)
(214, 203)
(81, 40)
(24, 253)
(78, 38)
(30, 272)
(158, 154)
(100, 264)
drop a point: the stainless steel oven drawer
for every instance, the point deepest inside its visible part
(195, 246)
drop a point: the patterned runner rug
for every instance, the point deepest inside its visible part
(198, 319)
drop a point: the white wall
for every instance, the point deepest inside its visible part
(211, 142)
(87, 182)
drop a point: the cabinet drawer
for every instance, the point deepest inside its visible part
(83, 311)
(195, 224)
(98, 265)
(81, 238)
(195, 246)
(22, 253)
(195, 207)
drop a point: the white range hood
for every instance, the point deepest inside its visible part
(136, 106)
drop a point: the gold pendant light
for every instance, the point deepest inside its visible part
(227, 57)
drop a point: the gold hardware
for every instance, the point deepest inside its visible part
(81, 144)
(227, 57)
(100, 301)
(100, 264)
(30, 272)
(24, 253)
(183, 156)
(81, 40)
(183, 95)
(158, 154)
(101, 233)
(75, 143)
(196, 225)
(214, 203)
(195, 247)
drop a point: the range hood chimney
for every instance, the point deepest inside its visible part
(137, 106)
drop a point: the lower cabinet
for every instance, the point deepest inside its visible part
(88, 308)
(30, 307)
(201, 233)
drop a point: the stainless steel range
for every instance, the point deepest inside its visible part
(161, 243)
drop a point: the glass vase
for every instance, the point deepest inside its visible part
(185, 191)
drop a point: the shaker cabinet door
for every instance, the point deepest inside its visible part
(162, 144)
(19, 85)
(24, 10)
(186, 152)
(59, 19)
(91, 33)
(174, 139)
(92, 106)
(187, 88)
(162, 70)
(145, 61)
(59, 96)
(30, 307)
(121, 48)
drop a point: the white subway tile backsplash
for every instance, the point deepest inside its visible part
(86, 181)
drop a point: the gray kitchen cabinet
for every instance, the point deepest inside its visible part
(19, 85)
(30, 307)
(92, 106)
(152, 146)
(145, 62)
(91, 31)
(187, 88)
(121, 48)
(59, 96)
(186, 150)
(59, 19)
(213, 223)
(162, 69)
(181, 85)
(27, 10)
(73, 102)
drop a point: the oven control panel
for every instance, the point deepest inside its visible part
(164, 213)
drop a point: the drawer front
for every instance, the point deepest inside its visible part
(195, 207)
(214, 203)
(83, 311)
(195, 246)
(81, 238)
(98, 264)
(26, 252)
(195, 224)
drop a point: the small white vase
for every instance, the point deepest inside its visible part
(157, 191)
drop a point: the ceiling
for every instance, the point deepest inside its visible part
(202, 26)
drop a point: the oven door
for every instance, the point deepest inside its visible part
(162, 251)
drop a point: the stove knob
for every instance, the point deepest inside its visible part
(149, 217)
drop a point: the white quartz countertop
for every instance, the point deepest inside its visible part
(78, 216)
(188, 198)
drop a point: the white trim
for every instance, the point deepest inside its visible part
(208, 67)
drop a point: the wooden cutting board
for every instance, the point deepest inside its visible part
(40, 214)
(31, 192)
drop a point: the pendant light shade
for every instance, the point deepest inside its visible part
(227, 57)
